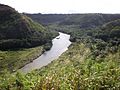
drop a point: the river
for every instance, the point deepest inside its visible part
(60, 45)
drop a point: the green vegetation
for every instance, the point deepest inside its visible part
(19, 36)
(13, 60)
(90, 63)
(19, 31)
(75, 69)
(46, 19)
(82, 20)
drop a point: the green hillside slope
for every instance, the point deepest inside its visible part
(81, 20)
(19, 31)
(74, 70)
(92, 62)
(19, 36)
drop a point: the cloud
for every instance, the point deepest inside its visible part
(65, 6)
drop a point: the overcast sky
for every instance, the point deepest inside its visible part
(64, 6)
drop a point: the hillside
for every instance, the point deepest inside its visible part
(46, 19)
(92, 62)
(90, 20)
(81, 20)
(19, 31)
(75, 69)
(21, 39)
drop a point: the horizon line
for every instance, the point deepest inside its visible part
(68, 13)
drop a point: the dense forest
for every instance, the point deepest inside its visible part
(19, 31)
(90, 20)
(90, 63)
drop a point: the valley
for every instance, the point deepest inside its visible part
(91, 62)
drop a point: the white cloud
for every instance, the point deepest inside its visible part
(65, 6)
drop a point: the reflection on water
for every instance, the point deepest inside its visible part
(60, 45)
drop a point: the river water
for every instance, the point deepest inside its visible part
(60, 45)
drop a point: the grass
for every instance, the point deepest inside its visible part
(90, 63)
(13, 60)
(74, 70)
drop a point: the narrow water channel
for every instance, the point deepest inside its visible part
(60, 45)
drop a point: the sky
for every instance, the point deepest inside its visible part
(64, 6)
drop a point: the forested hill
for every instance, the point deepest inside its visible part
(19, 31)
(92, 62)
(46, 19)
(82, 20)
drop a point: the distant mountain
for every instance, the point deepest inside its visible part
(83, 20)
(19, 31)
(46, 19)
(90, 20)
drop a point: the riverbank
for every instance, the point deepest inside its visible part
(74, 70)
(59, 45)
(13, 60)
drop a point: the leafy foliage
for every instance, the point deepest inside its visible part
(82, 20)
(74, 70)
(19, 31)
(13, 60)
(91, 62)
